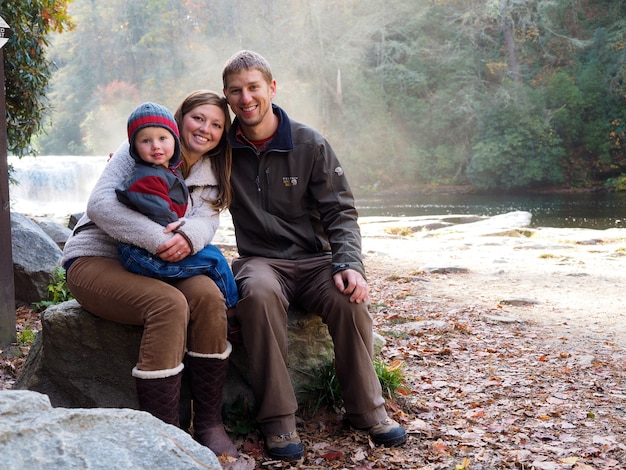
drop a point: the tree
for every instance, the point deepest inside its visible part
(24, 76)
(402, 92)
(154, 47)
(27, 67)
(516, 146)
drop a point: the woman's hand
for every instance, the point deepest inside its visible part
(177, 247)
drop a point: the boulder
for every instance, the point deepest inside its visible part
(33, 434)
(80, 360)
(57, 232)
(499, 225)
(35, 259)
(74, 218)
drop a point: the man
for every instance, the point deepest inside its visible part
(299, 241)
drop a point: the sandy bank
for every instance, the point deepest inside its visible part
(570, 278)
(573, 278)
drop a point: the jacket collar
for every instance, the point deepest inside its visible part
(202, 174)
(282, 141)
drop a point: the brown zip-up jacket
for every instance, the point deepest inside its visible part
(293, 200)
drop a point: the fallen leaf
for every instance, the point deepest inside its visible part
(441, 448)
(335, 455)
(463, 465)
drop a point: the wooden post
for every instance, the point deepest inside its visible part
(7, 283)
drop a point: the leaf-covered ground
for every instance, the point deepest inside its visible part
(13, 356)
(482, 391)
(488, 392)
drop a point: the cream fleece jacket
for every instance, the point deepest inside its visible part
(116, 222)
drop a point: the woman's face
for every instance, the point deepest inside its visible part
(202, 128)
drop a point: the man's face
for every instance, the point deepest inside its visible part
(250, 97)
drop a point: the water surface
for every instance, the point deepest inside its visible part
(598, 210)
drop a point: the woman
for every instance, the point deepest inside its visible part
(184, 316)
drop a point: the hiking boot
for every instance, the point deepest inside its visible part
(285, 446)
(387, 433)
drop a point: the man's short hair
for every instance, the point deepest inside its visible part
(246, 60)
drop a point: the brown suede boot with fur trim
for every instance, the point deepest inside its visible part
(160, 397)
(207, 382)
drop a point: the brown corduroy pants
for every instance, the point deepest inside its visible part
(267, 287)
(189, 313)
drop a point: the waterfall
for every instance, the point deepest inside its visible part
(53, 186)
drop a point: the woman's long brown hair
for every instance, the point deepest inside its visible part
(221, 156)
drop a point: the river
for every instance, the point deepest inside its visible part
(597, 210)
(56, 186)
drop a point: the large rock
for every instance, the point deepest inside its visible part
(498, 225)
(35, 435)
(35, 259)
(80, 360)
(57, 232)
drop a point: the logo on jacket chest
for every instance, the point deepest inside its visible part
(289, 181)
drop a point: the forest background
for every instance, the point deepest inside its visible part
(493, 94)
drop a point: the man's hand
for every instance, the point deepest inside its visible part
(352, 283)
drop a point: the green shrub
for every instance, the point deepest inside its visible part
(616, 184)
(57, 291)
(26, 337)
(391, 378)
(239, 416)
(325, 390)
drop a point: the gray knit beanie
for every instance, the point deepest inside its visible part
(152, 115)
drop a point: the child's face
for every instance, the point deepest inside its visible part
(155, 145)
